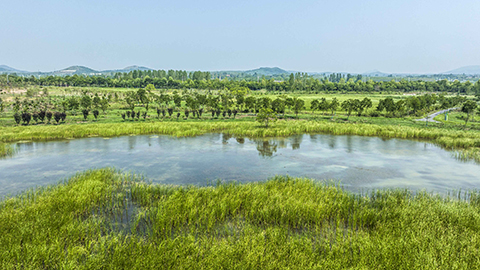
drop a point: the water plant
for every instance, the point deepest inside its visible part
(6, 150)
(105, 219)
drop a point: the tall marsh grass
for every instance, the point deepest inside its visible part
(6, 150)
(450, 139)
(103, 219)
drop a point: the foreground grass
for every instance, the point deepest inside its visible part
(103, 219)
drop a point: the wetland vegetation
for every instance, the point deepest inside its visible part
(105, 219)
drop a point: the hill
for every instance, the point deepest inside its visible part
(267, 71)
(7, 69)
(77, 70)
(131, 68)
(375, 73)
(465, 70)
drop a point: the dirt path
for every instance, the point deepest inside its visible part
(430, 117)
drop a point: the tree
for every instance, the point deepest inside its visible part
(291, 82)
(86, 102)
(2, 105)
(96, 101)
(265, 115)
(366, 103)
(278, 105)
(469, 107)
(414, 103)
(298, 105)
(130, 100)
(144, 97)
(177, 99)
(333, 106)
(314, 105)
(104, 104)
(348, 105)
(72, 104)
(324, 105)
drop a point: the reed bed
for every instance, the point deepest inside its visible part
(6, 150)
(103, 219)
(449, 139)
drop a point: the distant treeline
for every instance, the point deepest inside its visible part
(178, 79)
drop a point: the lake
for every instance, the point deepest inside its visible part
(358, 163)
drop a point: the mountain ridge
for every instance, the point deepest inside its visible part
(471, 70)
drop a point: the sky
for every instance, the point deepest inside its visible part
(392, 36)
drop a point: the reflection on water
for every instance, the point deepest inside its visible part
(358, 162)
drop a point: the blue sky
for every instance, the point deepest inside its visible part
(350, 36)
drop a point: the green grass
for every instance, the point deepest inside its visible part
(103, 219)
(457, 118)
(6, 150)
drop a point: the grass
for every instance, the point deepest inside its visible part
(457, 118)
(103, 219)
(6, 150)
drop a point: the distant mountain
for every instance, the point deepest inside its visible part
(7, 69)
(127, 69)
(131, 68)
(375, 73)
(267, 71)
(465, 70)
(77, 70)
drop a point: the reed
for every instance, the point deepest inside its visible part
(449, 139)
(6, 150)
(105, 219)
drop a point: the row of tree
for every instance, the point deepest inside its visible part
(218, 103)
(296, 82)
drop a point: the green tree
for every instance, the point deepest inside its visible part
(2, 105)
(348, 105)
(324, 105)
(86, 102)
(143, 96)
(469, 107)
(265, 115)
(250, 102)
(177, 99)
(333, 105)
(130, 100)
(104, 103)
(96, 101)
(291, 82)
(365, 104)
(315, 105)
(278, 105)
(298, 105)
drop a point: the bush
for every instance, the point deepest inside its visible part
(57, 116)
(85, 113)
(49, 115)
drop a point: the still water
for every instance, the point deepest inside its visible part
(358, 163)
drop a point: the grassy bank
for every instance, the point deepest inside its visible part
(450, 139)
(106, 220)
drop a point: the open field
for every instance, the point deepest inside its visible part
(104, 219)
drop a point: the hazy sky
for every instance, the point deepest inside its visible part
(351, 36)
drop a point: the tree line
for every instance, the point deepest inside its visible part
(151, 102)
(202, 80)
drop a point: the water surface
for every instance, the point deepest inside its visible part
(359, 163)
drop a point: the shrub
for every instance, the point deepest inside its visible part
(85, 113)
(49, 115)
(57, 116)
